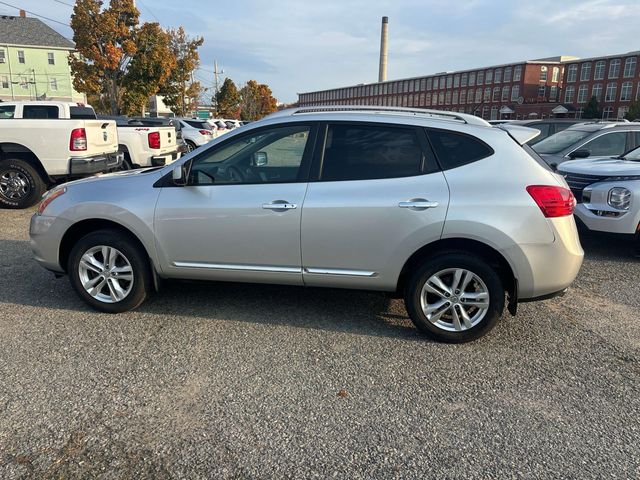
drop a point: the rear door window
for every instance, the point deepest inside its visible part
(367, 152)
(609, 144)
(39, 111)
(7, 111)
(454, 149)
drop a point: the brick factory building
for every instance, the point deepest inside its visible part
(557, 86)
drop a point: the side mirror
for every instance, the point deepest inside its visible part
(581, 153)
(179, 175)
(260, 159)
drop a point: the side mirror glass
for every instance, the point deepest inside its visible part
(260, 159)
(581, 153)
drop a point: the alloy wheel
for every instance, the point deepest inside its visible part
(14, 185)
(454, 299)
(105, 274)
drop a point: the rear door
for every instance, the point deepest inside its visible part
(377, 196)
(102, 137)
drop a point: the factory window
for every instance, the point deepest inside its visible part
(625, 92)
(488, 77)
(630, 67)
(449, 81)
(472, 79)
(480, 78)
(478, 95)
(487, 94)
(568, 94)
(496, 94)
(610, 96)
(596, 91)
(517, 73)
(463, 80)
(585, 72)
(463, 96)
(507, 74)
(553, 93)
(598, 73)
(447, 98)
(556, 74)
(543, 74)
(454, 99)
(542, 91)
(456, 81)
(429, 83)
(427, 100)
(515, 93)
(441, 98)
(497, 75)
(505, 93)
(614, 68)
(582, 93)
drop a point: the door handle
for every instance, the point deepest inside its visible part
(279, 205)
(418, 204)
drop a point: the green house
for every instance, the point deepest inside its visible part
(33, 61)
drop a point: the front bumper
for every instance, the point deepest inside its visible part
(79, 167)
(45, 235)
(601, 219)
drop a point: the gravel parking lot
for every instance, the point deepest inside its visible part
(249, 381)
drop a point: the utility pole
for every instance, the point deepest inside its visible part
(216, 72)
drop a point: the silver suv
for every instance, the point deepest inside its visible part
(593, 139)
(437, 207)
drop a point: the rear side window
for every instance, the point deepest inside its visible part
(363, 152)
(82, 113)
(456, 149)
(7, 111)
(39, 111)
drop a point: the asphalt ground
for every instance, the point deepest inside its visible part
(254, 381)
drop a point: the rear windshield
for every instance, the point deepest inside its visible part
(561, 140)
(196, 124)
(82, 113)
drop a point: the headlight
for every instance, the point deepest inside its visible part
(620, 198)
(49, 197)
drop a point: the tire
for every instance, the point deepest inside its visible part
(437, 319)
(190, 146)
(21, 185)
(133, 274)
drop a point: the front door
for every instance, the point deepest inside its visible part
(238, 219)
(378, 196)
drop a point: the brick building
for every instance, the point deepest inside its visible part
(557, 86)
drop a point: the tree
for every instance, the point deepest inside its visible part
(227, 100)
(592, 110)
(178, 86)
(105, 43)
(634, 111)
(256, 101)
(149, 69)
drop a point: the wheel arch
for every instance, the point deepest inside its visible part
(489, 254)
(9, 150)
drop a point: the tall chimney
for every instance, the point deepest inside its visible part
(23, 13)
(384, 47)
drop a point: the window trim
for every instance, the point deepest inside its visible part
(429, 161)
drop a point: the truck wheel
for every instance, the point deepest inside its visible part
(454, 297)
(21, 185)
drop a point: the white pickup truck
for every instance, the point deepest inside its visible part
(144, 144)
(44, 142)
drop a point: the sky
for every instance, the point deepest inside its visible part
(298, 46)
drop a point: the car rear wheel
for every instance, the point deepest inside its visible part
(455, 297)
(190, 146)
(109, 271)
(21, 186)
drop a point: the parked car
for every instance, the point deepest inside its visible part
(427, 205)
(608, 192)
(45, 142)
(547, 126)
(594, 139)
(145, 145)
(195, 132)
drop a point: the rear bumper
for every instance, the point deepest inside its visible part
(79, 167)
(160, 160)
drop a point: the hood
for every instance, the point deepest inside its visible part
(113, 176)
(601, 167)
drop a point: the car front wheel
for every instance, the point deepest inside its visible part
(109, 271)
(455, 297)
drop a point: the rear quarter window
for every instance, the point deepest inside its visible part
(454, 149)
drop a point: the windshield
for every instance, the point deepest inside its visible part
(633, 155)
(561, 140)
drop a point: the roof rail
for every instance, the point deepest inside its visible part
(417, 112)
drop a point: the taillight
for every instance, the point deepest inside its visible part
(154, 140)
(205, 132)
(553, 201)
(78, 140)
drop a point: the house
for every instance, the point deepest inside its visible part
(33, 61)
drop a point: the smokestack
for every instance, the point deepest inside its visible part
(384, 47)
(23, 13)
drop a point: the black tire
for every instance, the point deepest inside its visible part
(190, 146)
(142, 281)
(443, 262)
(126, 163)
(31, 186)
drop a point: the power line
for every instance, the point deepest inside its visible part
(36, 14)
(64, 3)
(149, 10)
